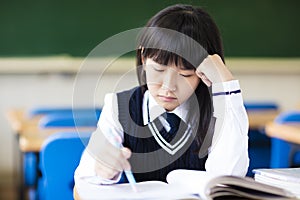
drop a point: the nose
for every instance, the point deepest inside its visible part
(169, 81)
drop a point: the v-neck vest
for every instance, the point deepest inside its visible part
(149, 160)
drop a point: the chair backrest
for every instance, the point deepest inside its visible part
(283, 153)
(59, 157)
(61, 110)
(261, 105)
(288, 117)
(75, 119)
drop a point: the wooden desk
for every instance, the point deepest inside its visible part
(259, 118)
(288, 132)
(32, 138)
(29, 139)
(75, 194)
(19, 121)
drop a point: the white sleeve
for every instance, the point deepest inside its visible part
(108, 123)
(228, 154)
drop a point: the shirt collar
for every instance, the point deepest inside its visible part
(156, 110)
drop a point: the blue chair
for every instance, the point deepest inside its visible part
(61, 110)
(58, 118)
(259, 143)
(59, 157)
(261, 106)
(55, 118)
(285, 154)
(63, 120)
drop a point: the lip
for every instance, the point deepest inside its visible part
(166, 98)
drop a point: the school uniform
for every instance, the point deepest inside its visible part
(143, 127)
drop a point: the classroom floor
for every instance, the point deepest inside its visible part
(10, 188)
(7, 188)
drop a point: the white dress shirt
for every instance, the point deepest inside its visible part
(228, 154)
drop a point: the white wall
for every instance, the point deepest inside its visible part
(283, 89)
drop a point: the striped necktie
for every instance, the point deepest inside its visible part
(174, 122)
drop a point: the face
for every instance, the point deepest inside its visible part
(169, 85)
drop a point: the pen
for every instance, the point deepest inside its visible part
(130, 176)
(128, 173)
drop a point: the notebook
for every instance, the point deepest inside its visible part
(287, 178)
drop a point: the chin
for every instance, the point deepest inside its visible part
(169, 108)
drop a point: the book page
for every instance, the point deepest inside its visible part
(145, 190)
(208, 185)
(193, 181)
(290, 186)
(246, 186)
(284, 174)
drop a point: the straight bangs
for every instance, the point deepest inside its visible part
(167, 58)
(167, 47)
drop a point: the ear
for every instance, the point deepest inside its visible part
(144, 62)
(142, 57)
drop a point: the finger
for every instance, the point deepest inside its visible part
(202, 65)
(216, 59)
(204, 78)
(120, 161)
(206, 81)
(209, 62)
(104, 171)
(126, 152)
(102, 150)
(125, 163)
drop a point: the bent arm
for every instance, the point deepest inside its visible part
(228, 154)
(108, 126)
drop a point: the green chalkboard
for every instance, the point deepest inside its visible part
(52, 27)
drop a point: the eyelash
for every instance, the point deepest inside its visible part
(161, 70)
(186, 76)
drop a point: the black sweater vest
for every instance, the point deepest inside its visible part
(149, 160)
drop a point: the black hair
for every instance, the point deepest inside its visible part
(196, 25)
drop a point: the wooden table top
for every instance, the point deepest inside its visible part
(19, 120)
(75, 194)
(31, 137)
(259, 118)
(288, 132)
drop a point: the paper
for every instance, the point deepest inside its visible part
(194, 180)
(146, 190)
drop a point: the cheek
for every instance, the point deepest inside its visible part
(154, 79)
(190, 83)
(187, 87)
(152, 87)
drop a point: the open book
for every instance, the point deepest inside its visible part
(288, 178)
(186, 184)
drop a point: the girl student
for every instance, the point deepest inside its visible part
(187, 112)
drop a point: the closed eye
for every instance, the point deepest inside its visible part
(186, 75)
(158, 70)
